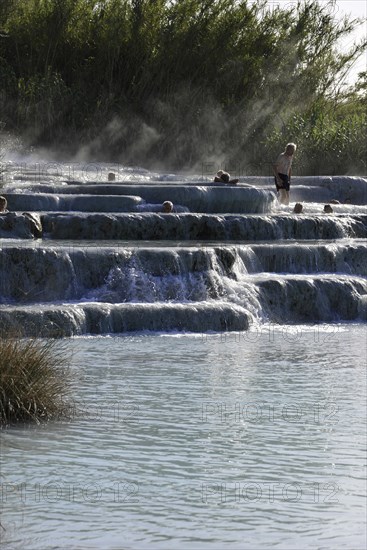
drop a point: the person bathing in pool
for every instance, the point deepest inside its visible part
(282, 169)
(3, 205)
(224, 177)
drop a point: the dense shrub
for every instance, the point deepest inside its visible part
(179, 83)
(329, 137)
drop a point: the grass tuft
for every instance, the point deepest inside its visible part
(34, 381)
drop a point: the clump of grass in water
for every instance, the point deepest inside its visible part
(34, 382)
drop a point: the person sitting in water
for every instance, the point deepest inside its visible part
(167, 207)
(224, 177)
(111, 176)
(282, 169)
(298, 207)
(3, 205)
(328, 209)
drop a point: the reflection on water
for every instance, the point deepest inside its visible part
(252, 440)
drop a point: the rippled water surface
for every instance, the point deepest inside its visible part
(250, 440)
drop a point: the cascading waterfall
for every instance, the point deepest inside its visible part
(233, 260)
(257, 279)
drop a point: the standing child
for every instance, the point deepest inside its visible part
(282, 169)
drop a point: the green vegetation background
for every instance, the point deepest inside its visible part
(184, 84)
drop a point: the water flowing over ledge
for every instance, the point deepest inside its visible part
(281, 268)
(94, 290)
(127, 198)
(70, 320)
(133, 274)
(200, 192)
(200, 227)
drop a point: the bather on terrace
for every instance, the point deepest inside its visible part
(224, 177)
(3, 205)
(166, 208)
